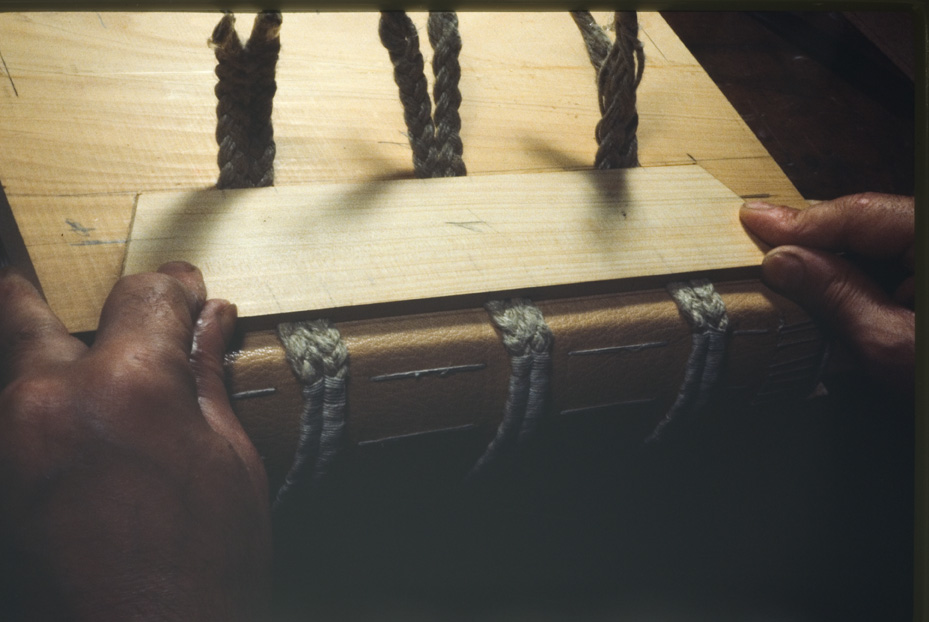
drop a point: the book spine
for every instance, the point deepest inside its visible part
(430, 391)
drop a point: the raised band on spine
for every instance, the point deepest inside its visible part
(319, 360)
(703, 308)
(528, 340)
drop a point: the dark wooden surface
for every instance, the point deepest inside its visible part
(835, 113)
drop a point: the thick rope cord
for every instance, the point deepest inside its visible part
(436, 143)
(399, 36)
(704, 309)
(619, 71)
(595, 38)
(528, 340)
(446, 43)
(319, 360)
(244, 93)
(232, 105)
(264, 47)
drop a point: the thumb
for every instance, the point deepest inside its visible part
(213, 333)
(878, 333)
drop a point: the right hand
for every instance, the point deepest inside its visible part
(818, 260)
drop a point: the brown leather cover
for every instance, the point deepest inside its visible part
(773, 352)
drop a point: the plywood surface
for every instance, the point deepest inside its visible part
(97, 108)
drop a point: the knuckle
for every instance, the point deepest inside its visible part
(888, 341)
(839, 299)
(34, 395)
(132, 377)
(154, 293)
(24, 335)
(863, 200)
(11, 284)
(41, 424)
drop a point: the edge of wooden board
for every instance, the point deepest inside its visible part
(385, 247)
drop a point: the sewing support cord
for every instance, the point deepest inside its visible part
(528, 340)
(436, 142)
(245, 91)
(704, 309)
(619, 68)
(319, 360)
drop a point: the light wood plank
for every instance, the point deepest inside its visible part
(328, 246)
(77, 244)
(102, 106)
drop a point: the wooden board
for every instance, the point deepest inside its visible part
(327, 246)
(96, 108)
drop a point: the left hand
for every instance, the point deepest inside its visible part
(128, 489)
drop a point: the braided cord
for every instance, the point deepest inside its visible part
(704, 309)
(617, 81)
(436, 141)
(529, 341)
(244, 91)
(264, 46)
(446, 43)
(319, 359)
(619, 68)
(399, 36)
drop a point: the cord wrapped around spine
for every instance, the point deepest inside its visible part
(528, 340)
(319, 360)
(704, 309)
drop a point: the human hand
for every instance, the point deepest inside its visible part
(821, 259)
(128, 489)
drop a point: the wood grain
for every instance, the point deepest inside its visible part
(327, 246)
(99, 107)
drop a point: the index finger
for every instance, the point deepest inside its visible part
(881, 226)
(31, 335)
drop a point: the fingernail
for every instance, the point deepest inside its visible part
(178, 266)
(758, 205)
(783, 270)
(227, 318)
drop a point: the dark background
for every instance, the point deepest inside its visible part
(799, 512)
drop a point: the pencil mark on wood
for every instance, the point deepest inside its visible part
(645, 32)
(471, 225)
(6, 70)
(441, 372)
(761, 195)
(97, 242)
(77, 227)
(100, 17)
